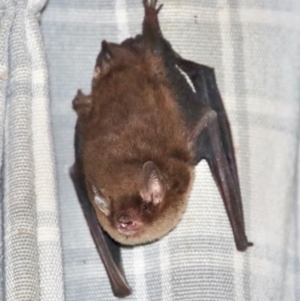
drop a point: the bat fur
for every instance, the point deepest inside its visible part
(150, 118)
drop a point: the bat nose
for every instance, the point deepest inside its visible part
(128, 225)
(126, 222)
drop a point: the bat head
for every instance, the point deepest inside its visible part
(133, 213)
(147, 208)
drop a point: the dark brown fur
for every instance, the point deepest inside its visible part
(130, 118)
(151, 117)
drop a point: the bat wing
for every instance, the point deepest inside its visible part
(107, 248)
(213, 142)
(204, 113)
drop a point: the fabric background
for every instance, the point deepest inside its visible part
(254, 47)
(31, 266)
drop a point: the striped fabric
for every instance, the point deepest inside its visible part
(254, 47)
(31, 268)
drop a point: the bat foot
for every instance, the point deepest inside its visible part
(151, 11)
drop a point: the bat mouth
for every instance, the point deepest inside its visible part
(128, 228)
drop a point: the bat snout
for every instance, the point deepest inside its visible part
(127, 224)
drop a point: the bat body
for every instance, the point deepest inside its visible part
(150, 118)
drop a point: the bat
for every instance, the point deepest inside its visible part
(150, 118)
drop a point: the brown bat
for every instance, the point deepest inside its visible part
(151, 117)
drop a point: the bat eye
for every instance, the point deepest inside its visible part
(145, 207)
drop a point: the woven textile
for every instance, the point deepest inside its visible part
(31, 268)
(254, 47)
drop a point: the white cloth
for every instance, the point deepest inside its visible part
(254, 48)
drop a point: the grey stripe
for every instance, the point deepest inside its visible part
(243, 127)
(296, 212)
(286, 126)
(6, 18)
(21, 255)
(153, 276)
(201, 260)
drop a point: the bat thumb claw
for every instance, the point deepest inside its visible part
(243, 245)
(159, 8)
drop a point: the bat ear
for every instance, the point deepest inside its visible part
(101, 202)
(104, 60)
(152, 189)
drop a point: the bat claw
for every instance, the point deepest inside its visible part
(82, 103)
(77, 99)
(150, 8)
(242, 246)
